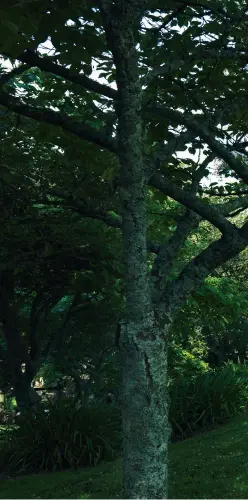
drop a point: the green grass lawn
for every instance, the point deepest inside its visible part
(211, 465)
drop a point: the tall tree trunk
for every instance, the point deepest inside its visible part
(144, 411)
(23, 370)
(142, 344)
(18, 354)
(26, 396)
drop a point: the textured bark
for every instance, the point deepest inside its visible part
(144, 402)
(142, 343)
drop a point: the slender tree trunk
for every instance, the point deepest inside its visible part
(18, 355)
(26, 396)
(1, 407)
(22, 372)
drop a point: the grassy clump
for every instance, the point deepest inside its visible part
(211, 465)
(61, 438)
(206, 400)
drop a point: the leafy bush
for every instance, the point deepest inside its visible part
(208, 399)
(60, 436)
(183, 363)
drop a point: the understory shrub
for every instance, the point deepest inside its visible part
(210, 398)
(183, 363)
(60, 436)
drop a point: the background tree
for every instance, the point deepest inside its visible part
(44, 264)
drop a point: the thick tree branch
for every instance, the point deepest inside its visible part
(238, 211)
(227, 208)
(6, 77)
(43, 63)
(214, 214)
(164, 151)
(240, 146)
(167, 254)
(219, 149)
(170, 17)
(190, 201)
(81, 209)
(165, 259)
(194, 273)
(51, 117)
(200, 172)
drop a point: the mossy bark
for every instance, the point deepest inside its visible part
(144, 401)
(142, 341)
